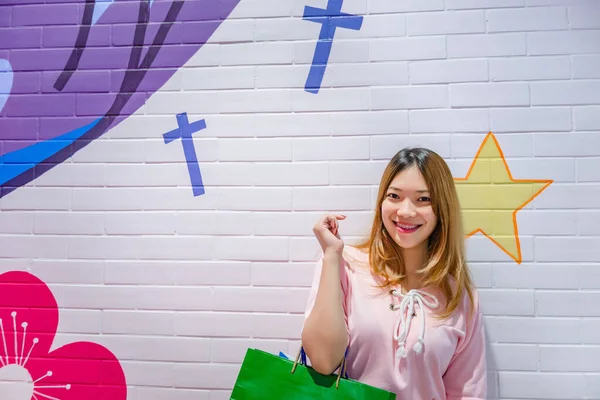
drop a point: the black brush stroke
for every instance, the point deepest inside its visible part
(78, 48)
(139, 35)
(136, 72)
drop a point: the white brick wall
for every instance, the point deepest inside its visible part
(178, 287)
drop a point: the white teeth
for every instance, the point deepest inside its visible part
(407, 226)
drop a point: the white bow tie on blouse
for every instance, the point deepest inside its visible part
(407, 309)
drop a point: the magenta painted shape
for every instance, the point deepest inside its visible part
(79, 370)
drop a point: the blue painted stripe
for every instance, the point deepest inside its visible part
(19, 161)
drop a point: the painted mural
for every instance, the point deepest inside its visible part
(29, 369)
(490, 198)
(71, 71)
(330, 18)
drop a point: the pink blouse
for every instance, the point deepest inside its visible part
(395, 343)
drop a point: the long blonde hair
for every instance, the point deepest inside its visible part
(445, 251)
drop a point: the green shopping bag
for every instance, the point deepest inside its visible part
(264, 376)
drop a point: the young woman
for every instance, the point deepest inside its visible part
(401, 303)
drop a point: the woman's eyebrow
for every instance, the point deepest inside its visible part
(418, 191)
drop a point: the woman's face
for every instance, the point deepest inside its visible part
(406, 210)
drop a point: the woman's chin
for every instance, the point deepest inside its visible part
(408, 243)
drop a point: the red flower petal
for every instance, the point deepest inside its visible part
(29, 316)
(89, 371)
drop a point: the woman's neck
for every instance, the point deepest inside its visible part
(414, 260)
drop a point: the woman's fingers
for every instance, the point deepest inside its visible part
(330, 222)
(334, 224)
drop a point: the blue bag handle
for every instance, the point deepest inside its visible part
(303, 360)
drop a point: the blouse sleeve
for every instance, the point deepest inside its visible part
(465, 378)
(344, 282)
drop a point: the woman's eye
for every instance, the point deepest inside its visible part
(392, 195)
(424, 198)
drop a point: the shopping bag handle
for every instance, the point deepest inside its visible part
(301, 357)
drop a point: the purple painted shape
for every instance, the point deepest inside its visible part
(67, 123)
(83, 82)
(32, 84)
(104, 58)
(37, 60)
(146, 85)
(21, 2)
(64, 36)
(96, 104)
(190, 30)
(122, 34)
(224, 6)
(59, 112)
(21, 38)
(169, 56)
(35, 105)
(45, 14)
(193, 10)
(4, 16)
(61, 1)
(121, 12)
(28, 125)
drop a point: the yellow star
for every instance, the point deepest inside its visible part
(490, 198)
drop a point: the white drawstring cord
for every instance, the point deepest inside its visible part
(407, 309)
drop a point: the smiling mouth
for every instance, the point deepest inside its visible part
(406, 228)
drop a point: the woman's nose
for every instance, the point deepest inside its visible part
(407, 209)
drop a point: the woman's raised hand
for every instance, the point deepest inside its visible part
(327, 232)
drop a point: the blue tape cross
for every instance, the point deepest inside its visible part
(185, 132)
(330, 19)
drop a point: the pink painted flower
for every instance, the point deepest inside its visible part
(28, 370)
